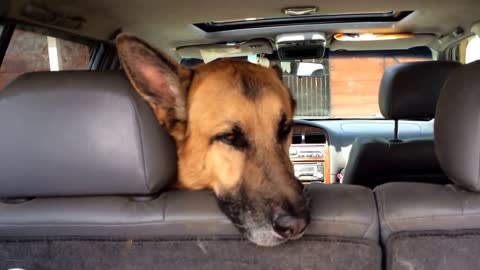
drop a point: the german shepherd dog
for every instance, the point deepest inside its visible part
(232, 123)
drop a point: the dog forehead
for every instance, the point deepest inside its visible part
(248, 78)
(233, 91)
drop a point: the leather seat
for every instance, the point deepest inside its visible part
(428, 226)
(85, 171)
(407, 91)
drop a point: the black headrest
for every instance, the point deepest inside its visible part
(411, 90)
(80, 133)
(457, 127)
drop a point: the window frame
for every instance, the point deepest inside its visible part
(5, 37)
(457, 51)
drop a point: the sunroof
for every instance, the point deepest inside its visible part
(217, 26)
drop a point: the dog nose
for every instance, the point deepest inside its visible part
(289, 226)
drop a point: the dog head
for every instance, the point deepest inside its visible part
(232, 123)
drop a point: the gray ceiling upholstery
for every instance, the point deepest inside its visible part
(168, 24)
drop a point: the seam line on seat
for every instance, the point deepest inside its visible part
(133, 102)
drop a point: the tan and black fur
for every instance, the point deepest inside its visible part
(232, 122)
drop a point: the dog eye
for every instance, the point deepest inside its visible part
(284, 131)
(284, 128)
(234, 138)
(228, 138)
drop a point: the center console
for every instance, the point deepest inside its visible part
(309, 154)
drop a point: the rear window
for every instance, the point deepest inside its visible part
(355, 77)
(31, 51)
(344, 84)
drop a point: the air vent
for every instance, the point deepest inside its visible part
(315, 138)
(296, 139)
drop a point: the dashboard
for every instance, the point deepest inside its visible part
(309, 153)
(320, 149)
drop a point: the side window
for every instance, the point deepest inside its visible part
(472, 50)
(30, 51)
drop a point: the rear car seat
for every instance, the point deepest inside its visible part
(85, 170)
(427, 226)
(407, 91)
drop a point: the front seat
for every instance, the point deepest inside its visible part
(84, 175)
(407, 91)
(428, 226)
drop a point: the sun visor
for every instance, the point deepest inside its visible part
(395, 44)
(212, 52)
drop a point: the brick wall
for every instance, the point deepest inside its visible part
(28, 51)
(355, 82)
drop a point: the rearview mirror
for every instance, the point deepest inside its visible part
(310, 69)
(302, 69)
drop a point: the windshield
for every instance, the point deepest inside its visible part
(344, 84)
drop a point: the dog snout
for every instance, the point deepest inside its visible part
(287, 225)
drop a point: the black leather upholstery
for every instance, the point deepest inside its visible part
(411, 90)
(407, 91)
(80, 133)
(374, 161)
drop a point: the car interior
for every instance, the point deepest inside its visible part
(385, 139)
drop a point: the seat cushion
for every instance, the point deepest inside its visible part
(182, 230)
(426, 207)
(343, 210)
(194, 253)
(434, 250)
(429, 227)
(337, 210)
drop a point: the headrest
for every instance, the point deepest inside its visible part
(410, 90)
(457, 127)
(80, 133)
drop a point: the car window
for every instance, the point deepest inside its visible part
(345, 84)
(472, 51)
(355, 81)
(30, 51)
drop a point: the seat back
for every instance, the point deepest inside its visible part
(428, 226)
(85, 170)
(407, 91)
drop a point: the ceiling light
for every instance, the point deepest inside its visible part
(299, 11)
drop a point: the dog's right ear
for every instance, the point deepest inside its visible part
(159, 80)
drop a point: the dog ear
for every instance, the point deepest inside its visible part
(159, 80)
(278, 70)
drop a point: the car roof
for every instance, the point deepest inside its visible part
(170, 24)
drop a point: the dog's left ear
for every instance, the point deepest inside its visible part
(278, 70)
(159, 80)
